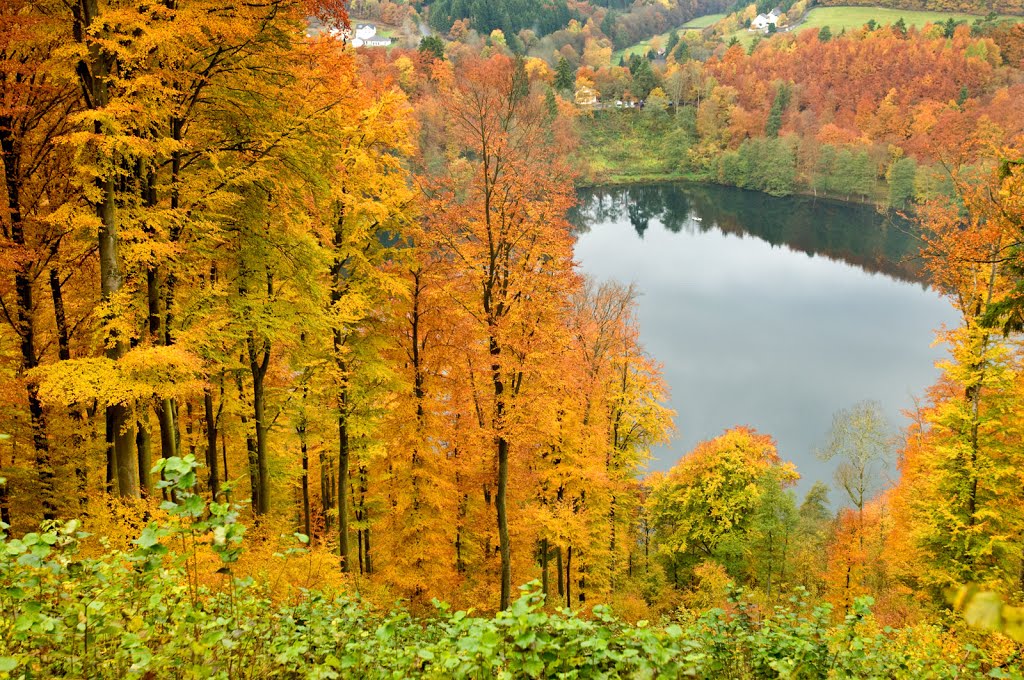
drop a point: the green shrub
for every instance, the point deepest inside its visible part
(142, 614)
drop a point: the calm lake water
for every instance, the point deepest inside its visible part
(768, 312)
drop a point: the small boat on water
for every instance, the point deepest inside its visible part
(697, 219)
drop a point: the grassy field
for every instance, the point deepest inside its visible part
(838, 18)
(704, 21)
(645, 46)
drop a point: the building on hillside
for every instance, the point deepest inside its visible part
(762, 21)
(586, 96)
(366, 36)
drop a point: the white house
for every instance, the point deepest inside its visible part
(586, 96)
(762, 21)
(366, 36)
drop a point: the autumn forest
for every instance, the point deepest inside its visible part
(301, 377)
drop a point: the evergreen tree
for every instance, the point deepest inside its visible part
(962, 95)
(949, 28)
(682, 52)
(673, 40)
(565, 76)
(431, 44)
(779, 104)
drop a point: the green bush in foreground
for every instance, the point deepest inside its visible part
(140, 614)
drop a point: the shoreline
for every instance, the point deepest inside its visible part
(673, 178)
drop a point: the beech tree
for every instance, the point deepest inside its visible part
(501, 223)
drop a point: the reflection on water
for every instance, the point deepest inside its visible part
(767, 312)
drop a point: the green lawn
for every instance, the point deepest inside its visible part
(704, 21)
(838, 18)
(645, 46)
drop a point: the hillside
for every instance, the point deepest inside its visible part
(1015, 7)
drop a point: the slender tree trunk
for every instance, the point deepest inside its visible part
(164, 407)
(359, 541)
(305, 467)
(568, 577)
(544, 566)
(143, 443)
(339, 281)
(502, 512)
(224, 454)
(5, 502)
(613, 565)
(94, 71)
(250, 450)
(78, 419)
(500, 500)
(558, 569)
(211, 444)
(259, 361)
(25, 319)
(583, 582)
(342, 498)
(364, 516)
(111, 478)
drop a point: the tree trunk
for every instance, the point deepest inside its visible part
(25, 319)
(568, 577)
(224, 454)
(503, 538)
(259, 361)
(544, 566)
(500, 500)
(338, 289)
(5, 502)
(143, 443)
(558, 569)
(364, 517)
(211, 444)
(94, 71)
(111, 477)
(77, 441)
(250, 450)
(305, 468)
(342, 497)
(164, 407)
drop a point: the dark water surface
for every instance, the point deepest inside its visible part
(768, 312)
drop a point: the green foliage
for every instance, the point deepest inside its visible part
(565, 75)
(141, 614)
(431, 44)
(902, 174)
(844, 172)
(986, 610)
(510, 16)
(761, 164)
(682, 52)
(779, 105)
(644, 78)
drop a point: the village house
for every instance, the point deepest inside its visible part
(762, 21)
(586, 96)
(366, 36)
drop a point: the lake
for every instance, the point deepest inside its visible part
(768, 312)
